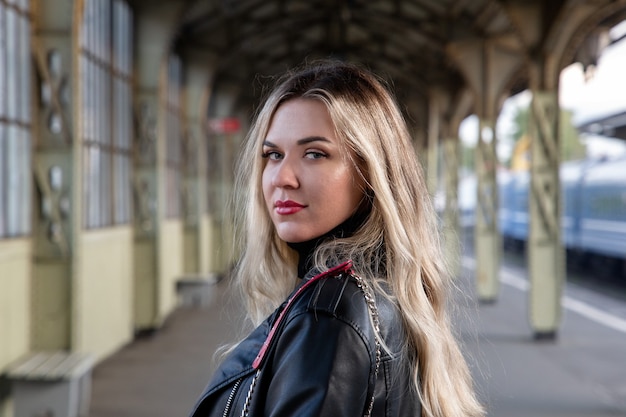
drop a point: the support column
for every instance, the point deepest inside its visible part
(434, 116)
(228, 181)
(197, 218)
(154, 290)
(145, 186)
(451, 224)
(57, 223)
(546, 264)
(553, 38)
(486, 237)
(224, 143)
(488, 65)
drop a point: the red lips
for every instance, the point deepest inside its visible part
(287, 207)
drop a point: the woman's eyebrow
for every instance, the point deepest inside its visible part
(310, 139)
(303, 141)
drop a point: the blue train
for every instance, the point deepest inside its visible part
(593, 195)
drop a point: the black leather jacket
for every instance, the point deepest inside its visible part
(319, 361)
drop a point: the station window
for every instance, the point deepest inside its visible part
(15, 119)
(106, 102)
(174, 138)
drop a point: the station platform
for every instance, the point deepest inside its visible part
(581, 373)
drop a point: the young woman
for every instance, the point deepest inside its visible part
(332, 193)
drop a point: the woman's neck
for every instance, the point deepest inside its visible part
(306, 250)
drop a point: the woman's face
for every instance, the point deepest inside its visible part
(309, 184)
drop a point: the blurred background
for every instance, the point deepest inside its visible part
(121, 120)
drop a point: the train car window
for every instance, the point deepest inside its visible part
(15, 119)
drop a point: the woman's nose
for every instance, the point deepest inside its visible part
(285, 175)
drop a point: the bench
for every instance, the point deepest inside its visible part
(51, 384)
(195, 290)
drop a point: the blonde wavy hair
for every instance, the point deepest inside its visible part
(398, 243)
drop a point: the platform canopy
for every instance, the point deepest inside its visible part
(413, 43)
(402, 40)
(612, 125)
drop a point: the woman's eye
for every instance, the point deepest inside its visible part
(272, 155)
(315, 155)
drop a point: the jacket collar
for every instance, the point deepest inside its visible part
(249, 354)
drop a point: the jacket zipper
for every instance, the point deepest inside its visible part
(231, 397)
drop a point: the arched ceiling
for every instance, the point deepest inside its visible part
(405, 41)
(402, 40)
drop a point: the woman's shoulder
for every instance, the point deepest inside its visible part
(351, 299)
(339, 295)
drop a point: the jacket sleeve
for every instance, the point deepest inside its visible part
(321, 367)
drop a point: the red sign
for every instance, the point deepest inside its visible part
(224, 125)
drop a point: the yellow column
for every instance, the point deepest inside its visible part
(487, 240)
(546, 264)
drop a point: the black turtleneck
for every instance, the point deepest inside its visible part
(306, 249)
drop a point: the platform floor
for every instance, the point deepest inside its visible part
(582, 373)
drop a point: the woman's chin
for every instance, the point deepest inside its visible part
(290, 235)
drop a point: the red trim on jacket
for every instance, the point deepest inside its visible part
(345, 267)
